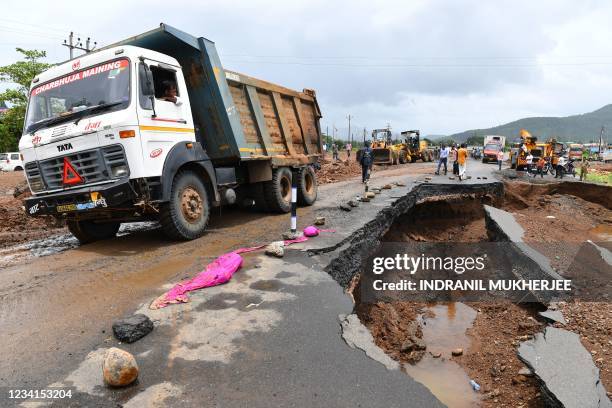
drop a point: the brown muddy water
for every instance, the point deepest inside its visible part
(444, 328)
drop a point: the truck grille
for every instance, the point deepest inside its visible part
(93, 166)
(34, 177)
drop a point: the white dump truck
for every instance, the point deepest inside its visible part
(154, 128)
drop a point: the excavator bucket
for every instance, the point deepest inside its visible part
(383, 155)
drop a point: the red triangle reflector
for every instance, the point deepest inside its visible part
(70, 174)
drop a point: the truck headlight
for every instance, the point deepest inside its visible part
(119, 171)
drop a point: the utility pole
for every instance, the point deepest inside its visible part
(349, 129)
(78, 45)
(603, 130)
(364, 135)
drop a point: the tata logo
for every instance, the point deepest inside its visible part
(64, 147)
(155, 153)
(76, 65)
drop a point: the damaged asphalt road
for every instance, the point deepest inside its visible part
(271, 336)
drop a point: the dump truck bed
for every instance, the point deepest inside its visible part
(238, 117)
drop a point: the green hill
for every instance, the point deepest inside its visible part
(576, 128)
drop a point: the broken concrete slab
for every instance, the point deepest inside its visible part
(345, 207)
(319, 221)
(276, 249)
(356, 335)
(553, 316)
(503, 227)
(132, 328)
(565, 370)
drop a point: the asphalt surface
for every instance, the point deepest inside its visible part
(270, 337)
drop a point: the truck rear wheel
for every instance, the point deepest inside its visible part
(88, 231)
(278, 190)
(307, 186)
(187, 213)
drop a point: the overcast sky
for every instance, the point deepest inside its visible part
(438, 66)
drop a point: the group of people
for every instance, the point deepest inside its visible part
(458, 156)
(335, 151)
(539, 166)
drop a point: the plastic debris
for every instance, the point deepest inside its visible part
(475, 385)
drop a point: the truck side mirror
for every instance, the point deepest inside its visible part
(146, 80)
(147, 89)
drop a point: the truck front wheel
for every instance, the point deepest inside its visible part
(89, 231)
(307, 186)
(186, 214)
(278, 190)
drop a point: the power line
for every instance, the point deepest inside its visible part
(426, 65)
(413, 57)
(45, 27)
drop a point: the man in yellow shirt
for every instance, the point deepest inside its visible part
(462, 155)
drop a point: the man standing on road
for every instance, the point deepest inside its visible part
(462, 155)
(443, 154)
(584, 169)
(540, 167)
(366, 158)
(529, 161)
(453, 159)
(348, 148)
(500, 157)
(335, 152)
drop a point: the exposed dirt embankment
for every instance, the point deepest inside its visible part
(16, 226)
(554, 218)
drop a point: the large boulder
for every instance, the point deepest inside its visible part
(132, 328)
(119, 368)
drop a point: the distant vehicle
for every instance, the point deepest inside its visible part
(492, 145)
(575, 151)
(494, 139)
(607, 156)
(11, 161)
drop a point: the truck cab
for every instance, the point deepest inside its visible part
(130, 133)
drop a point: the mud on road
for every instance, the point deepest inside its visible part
(16, 226)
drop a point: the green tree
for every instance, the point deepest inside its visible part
(475, 140)
(20, 74)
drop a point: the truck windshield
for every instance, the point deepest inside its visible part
(103, 86)
(492, 146)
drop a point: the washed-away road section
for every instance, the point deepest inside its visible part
(270, 337)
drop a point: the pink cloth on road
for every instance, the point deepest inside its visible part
(216, 273)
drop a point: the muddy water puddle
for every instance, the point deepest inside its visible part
(57, 243)
(444, 329)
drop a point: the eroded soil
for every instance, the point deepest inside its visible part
(553, 217)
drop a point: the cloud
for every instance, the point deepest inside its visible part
(436, 65)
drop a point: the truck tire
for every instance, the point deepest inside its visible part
(277, 191)
(89, 231)
(402, 157)
(307, 186)
(413, 159)
(186, 214)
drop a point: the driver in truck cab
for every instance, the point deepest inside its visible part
(170, 94)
